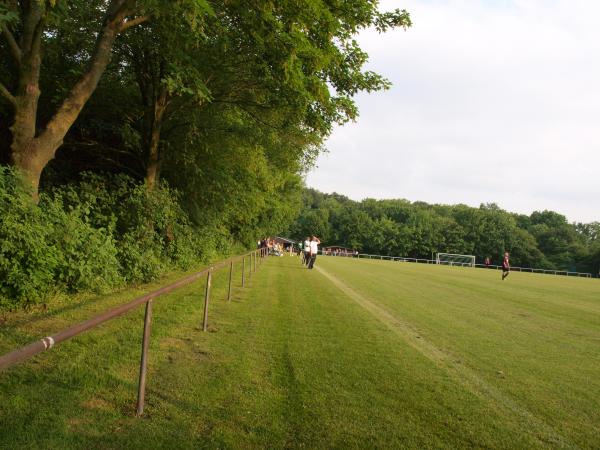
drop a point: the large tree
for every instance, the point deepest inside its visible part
(298, 59)
(300, 62)
(27, 27)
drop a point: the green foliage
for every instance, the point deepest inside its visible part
(28, 260)
(153, 232)
(45, 249)
(401, 228)
(86, 256)
(556, 238)
(94, 235)
(7, 15)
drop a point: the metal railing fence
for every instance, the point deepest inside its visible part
(255, 258)
(481, 266)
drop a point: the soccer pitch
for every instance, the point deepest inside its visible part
(523, 350)
(353, 354)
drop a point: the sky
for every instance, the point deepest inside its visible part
(493, 101)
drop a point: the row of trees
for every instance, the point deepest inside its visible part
(211, 108)
(401, 228)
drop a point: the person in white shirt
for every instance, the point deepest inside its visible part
(314, 249)
(306, 253)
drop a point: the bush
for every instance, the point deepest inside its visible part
(87, 256)
(93, 235)
(28, 259)
(151, 231)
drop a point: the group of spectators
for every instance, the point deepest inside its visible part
(309, 250)
(274, 248)
(341, 252)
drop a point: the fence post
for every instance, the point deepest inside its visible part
(249, 265)
(243, 271)
(206, 296)
(230, 279)
(144, 359)
(255, 261)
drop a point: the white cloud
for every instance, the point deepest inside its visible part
(493, 101)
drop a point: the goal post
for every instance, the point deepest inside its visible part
(450, 259)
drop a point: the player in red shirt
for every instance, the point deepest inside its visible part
(505, 265)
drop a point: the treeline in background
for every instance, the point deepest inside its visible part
(419, 230)
(143, 136)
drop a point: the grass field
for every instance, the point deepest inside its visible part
(354, 354)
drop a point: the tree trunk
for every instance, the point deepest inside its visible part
(24, 151)
(158, 113)
(31, 149)
(30, 164)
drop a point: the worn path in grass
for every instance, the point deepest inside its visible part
(294, 361)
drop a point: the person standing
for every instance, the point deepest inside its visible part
(505, 265)
(314, 249)
(306, 254)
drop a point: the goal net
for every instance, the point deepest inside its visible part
(450, 259)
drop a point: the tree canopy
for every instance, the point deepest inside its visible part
(289, 66)
(544, 239)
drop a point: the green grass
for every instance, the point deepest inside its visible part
(358, 354)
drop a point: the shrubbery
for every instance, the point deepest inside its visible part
(94, 235)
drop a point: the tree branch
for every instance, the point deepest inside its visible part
(12, 44)
(133, 22)
(6, 94)
(257, 119)
(82, 90)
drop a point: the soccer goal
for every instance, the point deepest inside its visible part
(450, 259)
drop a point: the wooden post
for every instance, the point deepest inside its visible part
(206, 297)
(144, 360)
(230, 281)
(243, 271)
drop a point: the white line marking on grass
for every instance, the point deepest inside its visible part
(463, 375)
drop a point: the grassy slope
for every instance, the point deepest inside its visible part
(294, 362)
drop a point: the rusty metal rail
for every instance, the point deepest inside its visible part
(46, 343)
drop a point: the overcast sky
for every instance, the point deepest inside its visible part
(492, 101)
